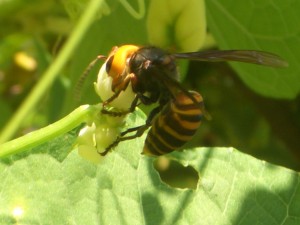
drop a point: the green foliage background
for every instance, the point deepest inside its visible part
(254, 109)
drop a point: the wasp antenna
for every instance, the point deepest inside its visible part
(80, 82)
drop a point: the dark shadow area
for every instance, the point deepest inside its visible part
(153, 212)
(175, 174)
(179, 176)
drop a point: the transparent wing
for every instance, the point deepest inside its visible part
(247, 56)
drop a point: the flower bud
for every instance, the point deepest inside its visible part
(177, 23)
(95, 138)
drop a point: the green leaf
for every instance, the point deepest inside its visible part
(260, 25)
(124, 188)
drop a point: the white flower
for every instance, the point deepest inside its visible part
(95, 138)
(87, 144)
(103, 88)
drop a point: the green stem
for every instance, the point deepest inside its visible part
(38, 92)
(72, 120)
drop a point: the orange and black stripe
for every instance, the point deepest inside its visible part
(175, 125)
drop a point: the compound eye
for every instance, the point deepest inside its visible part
(132, 59)
(135, 62)
(109, 63)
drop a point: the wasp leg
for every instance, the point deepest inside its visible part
(135, 103)
(142, 98)
(113, 97)
(111, 113)
(139, 131)
(122, 84)
(123, 113)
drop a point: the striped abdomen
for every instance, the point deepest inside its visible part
(175, 124)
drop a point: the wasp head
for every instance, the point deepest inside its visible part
(149, 64)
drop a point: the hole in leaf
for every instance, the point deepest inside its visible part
(175, 174)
